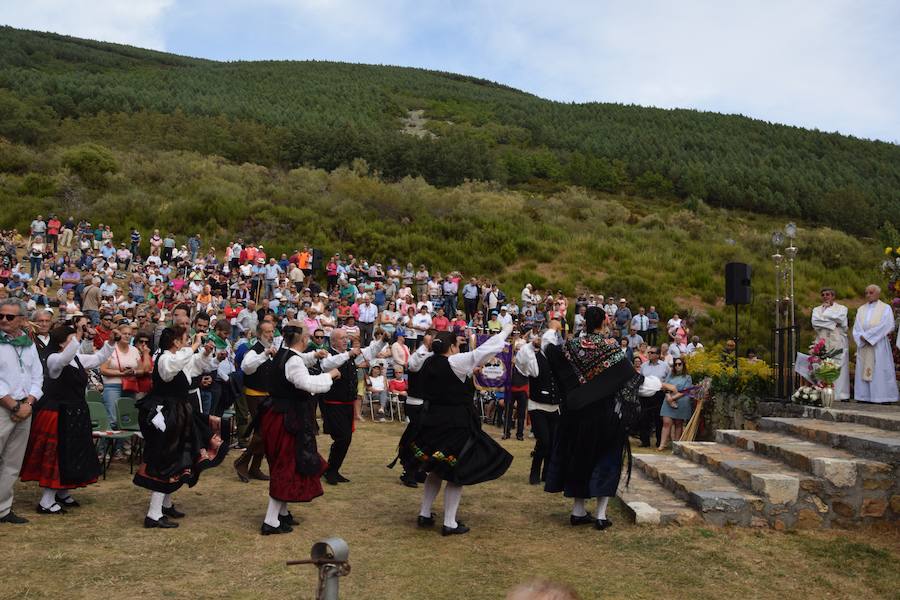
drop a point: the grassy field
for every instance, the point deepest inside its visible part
(518, 532)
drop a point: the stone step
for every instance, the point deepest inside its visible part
(861, 440)
(777, 483)
(648, 503)
(840, 467)
(886, 417)
(719, 501)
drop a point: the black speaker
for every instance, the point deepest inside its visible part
(316, 258)
(737, 283)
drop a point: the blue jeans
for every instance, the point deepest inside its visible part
(111, 394)
(94, 316)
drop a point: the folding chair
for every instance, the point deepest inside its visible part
(394, 400)
(129, 421)
(101, 430)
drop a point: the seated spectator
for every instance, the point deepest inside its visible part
(377, 386)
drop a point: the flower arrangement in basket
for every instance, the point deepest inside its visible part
(807, 395)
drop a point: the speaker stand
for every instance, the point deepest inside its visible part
(737, 353)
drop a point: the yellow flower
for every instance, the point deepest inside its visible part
(888, 250)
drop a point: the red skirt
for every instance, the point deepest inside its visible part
(42, 455)
(285, 484)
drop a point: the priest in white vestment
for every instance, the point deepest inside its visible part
(875, 377)
(830, 322)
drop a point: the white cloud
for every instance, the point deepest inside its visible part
(135, 22)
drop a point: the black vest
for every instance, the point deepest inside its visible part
(283, 393)
(177, 388)
(543, 388)
(345, 388)
(414, 382)
(66, 390)
(259, 379)
(43, 353)
(450, 401)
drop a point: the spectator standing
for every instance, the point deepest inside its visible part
(650, 406)
(471, 294)
(53, 229)
(623, 317)
(653, 328)
(641, 323)
(21, 380)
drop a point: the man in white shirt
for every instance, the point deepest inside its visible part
(422, 322)
(505, 318)
(21, 378)
(368, 314)
(695, 345)
(641, 323)
(651, 405)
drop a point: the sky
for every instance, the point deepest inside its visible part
(832, 65)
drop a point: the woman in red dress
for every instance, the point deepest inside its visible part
(289, 437)
(61, 454)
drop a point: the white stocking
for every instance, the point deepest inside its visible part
(48, 498)
(63, 494)
(272, 512)
(167, 501)
(156, 504)
(432, 487)
(283, 511)
(601, 507)
(578, 507)
(452, 496)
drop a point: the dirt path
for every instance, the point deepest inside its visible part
(414, 124)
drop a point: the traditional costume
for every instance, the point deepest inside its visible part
(876, 380)
(544, 398)
(61, 454)
(179, 441)
(830, 323)
(448, 442)
(256, 366)
(288, 436)
(337, 405)
(414, 403)
(599, 389)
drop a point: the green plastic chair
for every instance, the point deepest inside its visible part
(94, 396)
(129, 420)
(101, 431)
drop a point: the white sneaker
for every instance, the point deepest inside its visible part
(382, 420)
(406, 420)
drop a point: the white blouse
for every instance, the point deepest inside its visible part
(296, 372)
(57, 362)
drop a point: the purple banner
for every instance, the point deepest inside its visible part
(495, 374)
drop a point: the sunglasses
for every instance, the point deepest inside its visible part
(318, 337)
(9, 317)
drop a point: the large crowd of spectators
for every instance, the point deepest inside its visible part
(139, 284)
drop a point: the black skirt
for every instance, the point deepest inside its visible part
(588, 453)
(460, 455)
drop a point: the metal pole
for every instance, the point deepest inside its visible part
(776, 337)
(737, 354)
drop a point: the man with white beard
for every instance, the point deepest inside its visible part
(830, 322)
(875, 377)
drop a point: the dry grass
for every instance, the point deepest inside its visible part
(517, 533)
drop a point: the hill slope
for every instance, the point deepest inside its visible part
(58, 89)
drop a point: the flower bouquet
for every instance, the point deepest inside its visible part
(807, 395)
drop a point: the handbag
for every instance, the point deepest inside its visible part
(133, 383)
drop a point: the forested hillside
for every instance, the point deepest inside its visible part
(57, 90)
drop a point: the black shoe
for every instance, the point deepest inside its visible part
(13, 519)
(408, 481)
(288, 518)
(162, 523)
(505, 436)
(50, 511)
(534, 479)
(521, 438)
(284, 526)
(267, 529)
(602, 524)
(341, 478)
(458, 530)
(172, 512)
(67, 502)
(582, 520)
(330, 478)
(425, 521)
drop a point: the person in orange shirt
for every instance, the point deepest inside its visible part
(305, 261)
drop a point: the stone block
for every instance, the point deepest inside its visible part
(758, 522)
(877, 484)
(811, 485)
(875, 469)
(837, 471)
(808, 519)
(895, 504)
(777, 489)
(873, 507)
(718, 501)
(820, 505)
(779, 525)
(843, 509)
(644, 514)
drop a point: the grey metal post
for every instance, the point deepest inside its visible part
(331, 558)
